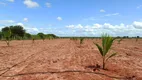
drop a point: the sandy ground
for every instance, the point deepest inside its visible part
(64, 59)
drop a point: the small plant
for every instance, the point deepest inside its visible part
(33, 40)
(119, 41)
(81, 40)
(107, 42)
(50, 37)
(137, 38)
(7, 35)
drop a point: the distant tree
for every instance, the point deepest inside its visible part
(1, 35)
(28, 35)
(118, 37)
(41, 35)
(124, 36)
(5, 29)
(138, 36)
(51, 36)
(17, 31)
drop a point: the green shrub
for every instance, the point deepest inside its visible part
(41, 35)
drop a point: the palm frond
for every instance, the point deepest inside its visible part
(100, 49)
(111, 56)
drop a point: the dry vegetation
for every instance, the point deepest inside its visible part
(64, 59)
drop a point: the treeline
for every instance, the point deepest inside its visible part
(17, 32)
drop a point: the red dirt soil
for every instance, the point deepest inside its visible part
(65, 59)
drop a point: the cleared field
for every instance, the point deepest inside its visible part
(64, 59)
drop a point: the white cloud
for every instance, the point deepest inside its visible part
(32, 30)
(31, 4)
(48, 4)
(137, 25)
(139, 6)
(114, 14)
(79, 26)
(96, 26)
(25, 19)
(11, 0)
(102, 10)
(59, 18)
(21, 24)
(7, 21)
(133, 29)
(29, 29)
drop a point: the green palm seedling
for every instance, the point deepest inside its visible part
(137, 38)
(107, 42)
(81, 40)
(33, 40)
(119, 40)
(7, 35)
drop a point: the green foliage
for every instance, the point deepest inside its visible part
(28, 35)
(119, 40)
(1, 35)
(7, 34)
(33, 40)
(107, 42)
(41, 35)
(81, 40)
(51, 36)
(17, 31)
(5, 29)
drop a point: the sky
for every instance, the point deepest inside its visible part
(74, 17)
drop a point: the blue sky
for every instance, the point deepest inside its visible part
(74, 17)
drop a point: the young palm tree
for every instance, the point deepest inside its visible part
(119, 40)
(107, 42)
(81, 40)
(7, 35)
